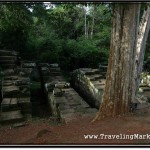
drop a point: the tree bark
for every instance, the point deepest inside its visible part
(140, 46)
(88, 25)
(119, 88)
(85, 28)
(92, 28)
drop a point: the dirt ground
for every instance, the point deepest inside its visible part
(44, 131)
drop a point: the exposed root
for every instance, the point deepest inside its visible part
(96, 118)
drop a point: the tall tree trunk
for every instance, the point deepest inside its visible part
(87, 33)
(92, 28)
(85, 28)
(140, 46)
(119, 86)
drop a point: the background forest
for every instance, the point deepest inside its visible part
(71, 34)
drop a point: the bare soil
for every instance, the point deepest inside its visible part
(44, 131)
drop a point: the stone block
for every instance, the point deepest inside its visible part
(21, 82)
(62, 85)
(58, 92)
(10, 78)
(11, 117)
(54, 65)
(9, 104)
(24, 102)
(28, 65)
(60, 100)
(8, 83)
(63, 106)
(50, 86)
(91, 110)
(8, 72)
(10, 91)
(80, 109)
(67, 111)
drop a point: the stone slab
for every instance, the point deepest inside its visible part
(10, 91)
(9, 104)
(91, 110)
(11, 117)
(6, 101)
(67, 111)
(10, 78)
(13, 101)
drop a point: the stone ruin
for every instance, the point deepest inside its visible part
(15, 89)
(65, 101)
(17, 106)
(90, 84)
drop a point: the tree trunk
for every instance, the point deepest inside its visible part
(85, 24)
(88, 25)
(118, 92)
(93, 21)
(92, 28)
(140, 46)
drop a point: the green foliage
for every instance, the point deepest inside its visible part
(14, 22)
(57, 34)
(81, 53)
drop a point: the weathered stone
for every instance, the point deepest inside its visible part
(54, 65)
(28, 65)
(8, 83)
(67, 111)
(17, 125)
(94, 77)
(24, 72)
(141, 98)
(10, 91)
(90, 72)
(102, 81)
(11, 117)
(143, 89)
(73, 102)
(21, 82)
(80, 109)
(9, 104)
(63, 106)
(24, 102)
(6, 101)
(91, 110)
(91, 90)
(8, 53)
(8, 66)
(13, 101)
(50, 86)
(62, 85)
(60, 100)
(57, 100)
(8, 72)
(68, 90)
(10, 78)
(58, 92)
(84, 104)
(43, 65)
(77, 98)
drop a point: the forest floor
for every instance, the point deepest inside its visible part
(43, 131)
